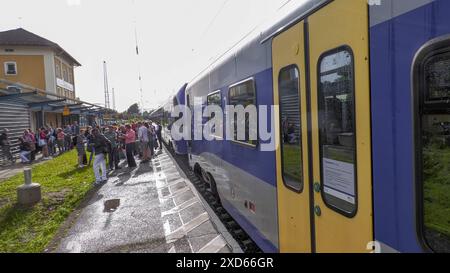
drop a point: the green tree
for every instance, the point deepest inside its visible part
(134, 109)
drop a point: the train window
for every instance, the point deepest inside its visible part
(243, 94)
(290, 120)
(214, 99)
(434, 148)
(188, 103)
(337, 130)
(438, 78)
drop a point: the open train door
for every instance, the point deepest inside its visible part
(341, 126)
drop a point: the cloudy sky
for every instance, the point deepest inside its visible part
(177, 39)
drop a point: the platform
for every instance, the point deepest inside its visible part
(152, 209)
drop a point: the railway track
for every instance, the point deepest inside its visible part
(239, 234)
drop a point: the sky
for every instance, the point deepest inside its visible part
(177, 39)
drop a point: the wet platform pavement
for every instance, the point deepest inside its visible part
(152, 209)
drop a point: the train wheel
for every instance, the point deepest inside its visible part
(198, 171)
(205, 176)
(214, 187)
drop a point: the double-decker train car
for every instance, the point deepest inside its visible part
(164, 116)
(361, 128)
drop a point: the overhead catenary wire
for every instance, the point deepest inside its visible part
(141, 90)
(225, 53)
(284, 4)
(210, 24)
(235, 44)
(208, 27)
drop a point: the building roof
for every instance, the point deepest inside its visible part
(41, 98)
(22, 37)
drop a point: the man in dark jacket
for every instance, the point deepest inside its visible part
(159, 134)
(113, 155)
(88, 137)
(5, 144)
(101, 146)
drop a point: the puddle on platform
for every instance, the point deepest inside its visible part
(111, 205)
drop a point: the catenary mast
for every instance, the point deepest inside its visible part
(105, 72)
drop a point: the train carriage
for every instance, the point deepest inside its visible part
(164, 116)
(362, 128)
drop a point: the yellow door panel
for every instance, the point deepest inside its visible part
(293, 207)
(341, 24)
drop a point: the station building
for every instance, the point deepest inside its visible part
(37, 85)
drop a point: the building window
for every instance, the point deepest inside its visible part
(10, 68)
(337, 134)
(58, 71)
(432, 86)
(244, 94)
(65, 75)
(71, 77)
(290, 120)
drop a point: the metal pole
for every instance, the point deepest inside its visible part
(27, 174)
(42, 117)
(107, 104)
(114, 99)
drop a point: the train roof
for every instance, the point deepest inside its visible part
(262, 34)
(179, 93)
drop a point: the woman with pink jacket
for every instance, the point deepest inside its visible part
(130, 140)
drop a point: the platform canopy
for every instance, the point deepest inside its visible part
(40, 100)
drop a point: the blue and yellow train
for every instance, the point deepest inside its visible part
(363, 127)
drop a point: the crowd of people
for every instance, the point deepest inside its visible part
(106, 144)
(48, 141)
(109, 144)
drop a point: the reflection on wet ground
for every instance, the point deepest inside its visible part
(146, 209)
(111, 205)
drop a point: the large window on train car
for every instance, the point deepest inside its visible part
(175, 119)
(214, 98)
(434, 148)
(290, 120)
(243, 94)
(337, 134)
(188, 103)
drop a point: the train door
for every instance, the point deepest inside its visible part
(341, 127)
(321, 84)
(293, 183)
